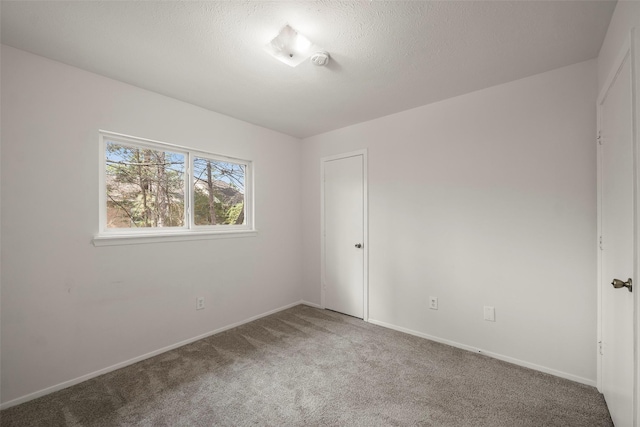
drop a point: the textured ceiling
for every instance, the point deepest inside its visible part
(387, 56)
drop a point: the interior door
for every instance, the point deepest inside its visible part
(617, 228)
(344, 235)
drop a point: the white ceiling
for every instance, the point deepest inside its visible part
(387, 56)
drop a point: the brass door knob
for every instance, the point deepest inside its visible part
(620, 284)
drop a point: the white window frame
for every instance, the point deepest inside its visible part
(190, 231)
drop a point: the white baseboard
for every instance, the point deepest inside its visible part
(488, 353)
(137, 359)
(311, 304)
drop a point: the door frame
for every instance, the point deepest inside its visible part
(365, 226)
(628, 51)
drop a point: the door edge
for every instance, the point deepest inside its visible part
(628, 51)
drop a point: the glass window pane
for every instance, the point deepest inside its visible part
(145, 187)
(218, 192)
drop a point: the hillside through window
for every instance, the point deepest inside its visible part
(152, 187)
(145, 187)
(218, 192)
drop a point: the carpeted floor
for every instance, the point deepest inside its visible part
(305, 366)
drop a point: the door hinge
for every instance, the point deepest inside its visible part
(600, 348)
(600, 243)
(599, 138)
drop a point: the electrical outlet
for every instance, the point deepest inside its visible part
(433, 303)
(199, 303)
(489, 313)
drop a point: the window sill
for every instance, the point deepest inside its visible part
(139, 239)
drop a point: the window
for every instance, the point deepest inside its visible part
(151, 191)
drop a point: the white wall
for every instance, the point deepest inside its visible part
(625, 17)
(484, 199)
(68, 308)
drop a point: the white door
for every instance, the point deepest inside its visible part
(617, 234)
(344, 235)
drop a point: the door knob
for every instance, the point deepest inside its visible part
(358, 245)
(620, 284)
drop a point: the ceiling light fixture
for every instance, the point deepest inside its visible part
(290, 47)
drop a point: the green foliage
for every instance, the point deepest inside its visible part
(234, 212)
(226, 213)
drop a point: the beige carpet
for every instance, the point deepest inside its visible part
(305, 366)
